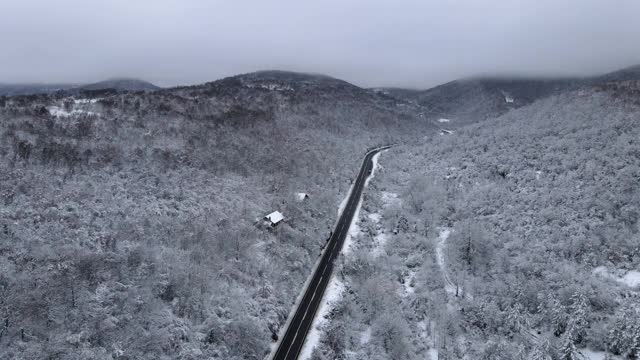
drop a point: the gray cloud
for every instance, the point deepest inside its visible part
(376, 42)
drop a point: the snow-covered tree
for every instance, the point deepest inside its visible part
(567, 349)
(541, 351)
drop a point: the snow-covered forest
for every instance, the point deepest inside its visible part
(131, 224)
(514, 238)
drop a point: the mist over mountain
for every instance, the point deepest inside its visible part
(626, 74)
(478, 98)
(28, 89)
(121, 84)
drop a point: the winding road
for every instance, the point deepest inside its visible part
(296, 332)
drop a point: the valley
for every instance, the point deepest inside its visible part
(132, 220)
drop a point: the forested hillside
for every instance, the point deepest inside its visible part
(465, 101)
(130, 224)
(471, 100)
(514, 238)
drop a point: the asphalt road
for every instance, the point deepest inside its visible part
(291, 343)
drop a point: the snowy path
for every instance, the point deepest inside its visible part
(449, 286)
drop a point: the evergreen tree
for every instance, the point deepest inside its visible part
(578, 321)
(624, 336)
(516, 318)
(558, 316)
(568, 349)
(541, 352)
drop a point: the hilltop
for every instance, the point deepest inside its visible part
(122, 84)
(466, 101)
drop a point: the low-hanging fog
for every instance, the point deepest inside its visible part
(371, 43)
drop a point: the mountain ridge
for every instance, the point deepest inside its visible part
(118, 84)
(481, 97)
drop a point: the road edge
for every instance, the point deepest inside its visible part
(282, 330)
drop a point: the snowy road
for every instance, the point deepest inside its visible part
(295, 334)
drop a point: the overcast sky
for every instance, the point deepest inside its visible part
(367, 42)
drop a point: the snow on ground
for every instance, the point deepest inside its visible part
(376, 166)
(443, 120)
(57, 111)
(332, 294)
(380, 242)
(85, 101)
(593, 355)
(630, 279)
(335, 287)
(426, 329)
(390, 198)
(374, 217)
(596, 355)
(366, 336)
(276, 87)
(449, 287)
(60, 112)
(408, 289)
(433, 354)
(354, 230)
(269, 86)
(381, 238)
(422, 325)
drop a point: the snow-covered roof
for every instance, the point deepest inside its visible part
(507, 97)
(275, 217)
(443, 120)
(301, 196)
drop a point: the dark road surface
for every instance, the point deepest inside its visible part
(291, 343)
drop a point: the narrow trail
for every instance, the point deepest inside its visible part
(449, 286)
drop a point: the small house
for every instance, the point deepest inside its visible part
(274, 218)
(300, 197)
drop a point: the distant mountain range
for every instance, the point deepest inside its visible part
(455, 103)
(469, 100)
(120, 84)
